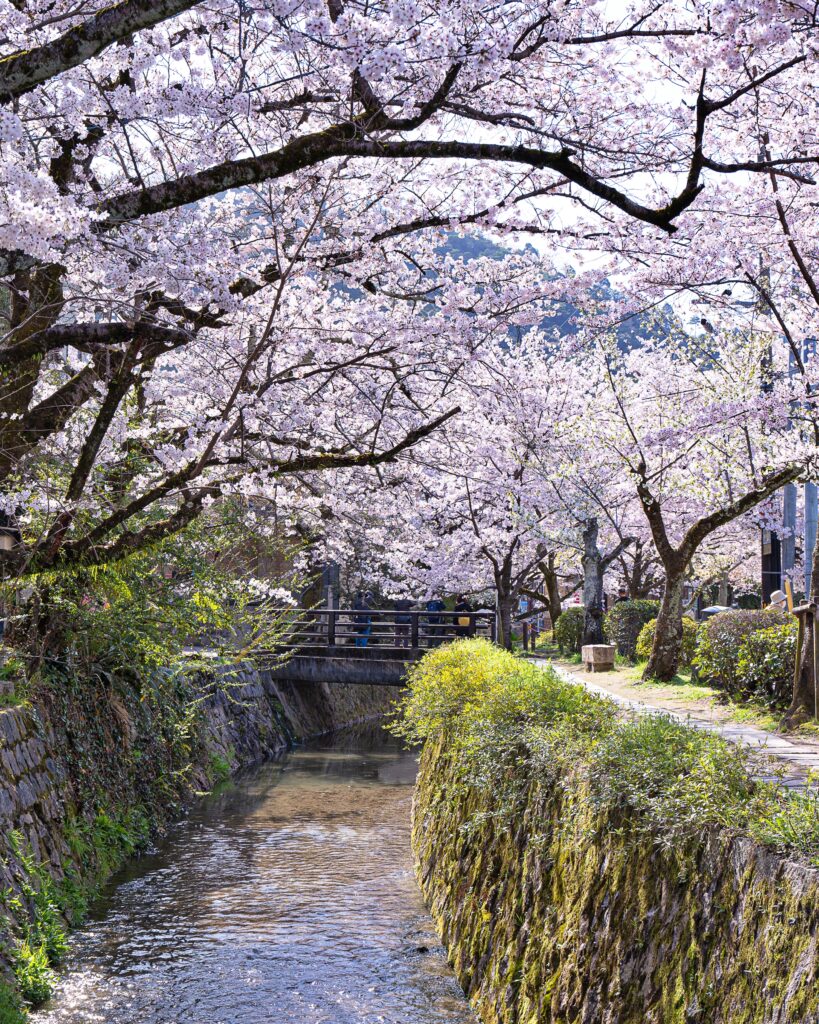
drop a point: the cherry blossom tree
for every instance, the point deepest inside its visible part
(700, 444)
(139, 142)
(220, 229)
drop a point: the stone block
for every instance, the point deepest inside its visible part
(9, 763)
(598, 657)
(6, 804)
(25, 794)
(8, 728)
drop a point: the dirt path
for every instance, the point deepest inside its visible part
(701, 708)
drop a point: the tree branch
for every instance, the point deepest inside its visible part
(697, 533)
(344, 141)
(91, 337)
(21, 72)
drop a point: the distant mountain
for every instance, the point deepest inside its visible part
(563, 319)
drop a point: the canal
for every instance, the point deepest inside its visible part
(286, 897)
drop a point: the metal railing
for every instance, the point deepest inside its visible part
(348, 629)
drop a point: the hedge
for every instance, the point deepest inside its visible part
(719, 641)
(568, 630)
(624, 622)
(766, 661)
(645, 641)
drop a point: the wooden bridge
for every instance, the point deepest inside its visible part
(368, 647)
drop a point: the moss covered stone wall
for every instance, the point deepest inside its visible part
(92, 770)
(561, 913)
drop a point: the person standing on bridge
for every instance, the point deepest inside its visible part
(434, 620)
(363, 619)
(464, 625)
(403, 621)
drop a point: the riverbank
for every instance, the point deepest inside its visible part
(92, 771)
(585, 865)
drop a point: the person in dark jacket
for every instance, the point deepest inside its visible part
(363, 619)
(403, 622)
(464, 624)
(434, 607)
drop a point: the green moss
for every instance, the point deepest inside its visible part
(611, 879)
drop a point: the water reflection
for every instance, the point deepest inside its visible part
(289, 898)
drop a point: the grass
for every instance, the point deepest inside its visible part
(683, 687)
(755, 715)
(512, 721)
(758, 716)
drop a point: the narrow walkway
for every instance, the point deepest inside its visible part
(798, 758)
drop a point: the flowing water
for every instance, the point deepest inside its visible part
(288, 897)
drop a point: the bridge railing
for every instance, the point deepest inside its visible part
(383, 629)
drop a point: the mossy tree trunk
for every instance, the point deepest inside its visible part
(668, 632)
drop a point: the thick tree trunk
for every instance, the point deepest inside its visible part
(722, 597)
(803, 703)
(668, 633)
(505, 604)
(507, 596)
(635, 580)
(553, 592)
(593, 568)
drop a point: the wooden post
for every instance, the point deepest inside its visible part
(331, 627)
(414, 641)
(802, 613)
(526, 636)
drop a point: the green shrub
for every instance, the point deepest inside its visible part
(544, 639)
(32, 971)
(680, 779)
(568, 631)
(219, 769)
(624, 622)
(43, 942)
(792, 824)
(645, 641)
(41, 906)
(512, 723)
(471, 685)
(719, 641)
(766, 661)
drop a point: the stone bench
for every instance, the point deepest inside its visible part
(598, 657)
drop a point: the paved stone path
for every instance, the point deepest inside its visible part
(798, 758)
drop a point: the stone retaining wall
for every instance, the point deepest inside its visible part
(569, 916)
